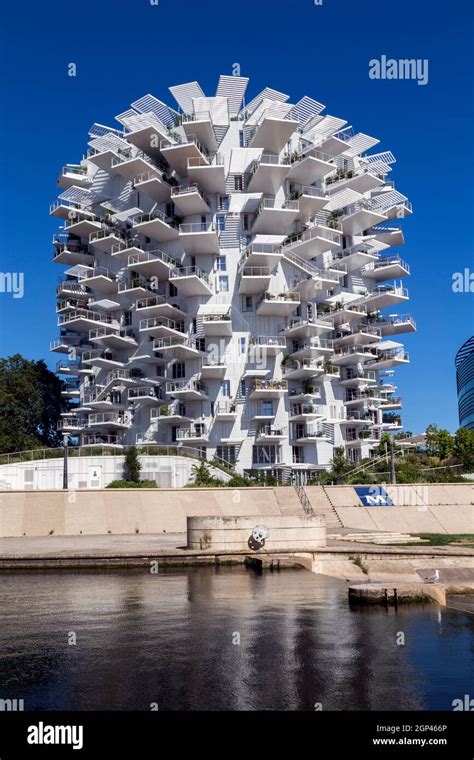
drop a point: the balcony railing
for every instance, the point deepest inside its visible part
(86, 314)
(400, 319)
(136, 219)
(198, 431)
(270, 203)
(185, 385)
(102, 418)
(178, 190)
(197, 161)
(188, 140)
(267, 340)
(224, 407)
(195, 227)
(145, 391)
(269, 431)
(312, 343)
(96, 272)
(310, 364)
(170, 324)
(188, 272)
(269, 385)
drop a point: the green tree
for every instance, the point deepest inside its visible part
(464, 447)
(30, 405)
(439, 441)
(202, 475)
(132, 465)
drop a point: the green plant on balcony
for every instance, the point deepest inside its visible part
(365, 433)
(164, 410)
(268, 296)
(285, 360)
(232, 406)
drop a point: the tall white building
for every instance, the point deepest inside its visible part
(228, 275)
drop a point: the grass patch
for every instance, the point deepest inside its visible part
(132, 484)
(357, 560)
(443, 539)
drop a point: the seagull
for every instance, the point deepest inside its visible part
(433, 578)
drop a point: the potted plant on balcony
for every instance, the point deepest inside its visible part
(285, 360)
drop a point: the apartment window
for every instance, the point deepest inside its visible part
(225, 388)
(242, 345)
(243, 389)
(201, 344)
(223, 203)
(173, 290)
(226, 454)
(266, 454)
(241, 139)
(267, 408)
(181, 409)
(238, 182)
(220, 222)
(223, 284)
(221, 264)
(194, 324)
(247, 303)
(245, 222)
(178, 370)
(298, 455)
(212, 408)
(170, 210)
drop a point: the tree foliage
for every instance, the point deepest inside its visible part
(132, 465)
(30, 405)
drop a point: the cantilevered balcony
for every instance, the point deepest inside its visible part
(272, 133)
(105, 240)
(279, 304)
(261, 255)
(395, 324)
(310, 279)
(266, 174)
(392, 422)
(71, 424)
(308, 166)
(170, 413)
(317, 239)
(311, 348)
(269, 345)
(187, 390)
(341, 312)
(387, 268)
(209, 175)
(155, 225)
(98, 278)
(359, 216)
(135, 286)
(178, 347)
(198, 238)
(71, 388)
(161, 327)
(357, 256)
(389, 358)
(213, 367)
(178, 154)
(70, 287)
(159, 306)
(306, 393)
(191, 281)
(153, 184)
(306, 412)
(385, 295)
(70, 251)
(200, 125)
(311, 200)
(302, 432)
(120, 339)
(268, 389)
(111, 420)
(145, 394)
(303, 369)
(388, 236)
(357, 418)
(154, 263)
(351, 377)
(307, 328)
(146, 132)
(272, 219)
(101, 358)
(358, 335)
(65, 305)
(217, 324)
(83, 320)
(269, 434)
(254, 279)
(81, 223)
(349, 355)
(357, 398)
(392, 402)
(67, 340)
(129, 164)
(197, 433)
(189, 199)
(74, 174)
(361, 180)
(111, 441)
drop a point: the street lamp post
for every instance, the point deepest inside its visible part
(65, 473)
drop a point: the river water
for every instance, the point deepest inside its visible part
(224, 639)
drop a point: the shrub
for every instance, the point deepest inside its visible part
(132, 484)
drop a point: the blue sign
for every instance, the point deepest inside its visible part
(373, 496)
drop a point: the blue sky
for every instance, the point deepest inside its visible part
(124, 50)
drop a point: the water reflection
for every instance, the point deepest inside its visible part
(173, 639)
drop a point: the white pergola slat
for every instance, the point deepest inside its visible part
(232, 88)
(342, 199)
(359, 144)
(266, 94)
(305, 108)
(184, 94)
(150, 104)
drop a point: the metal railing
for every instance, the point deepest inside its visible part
(185, 385)
(267, 340)
(90, 315)
(192, 227)
(189, 271)
(137, 219)
(170, 324)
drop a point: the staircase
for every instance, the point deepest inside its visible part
(229, 237)
(288, 500)
(307, 267)
(321, 505)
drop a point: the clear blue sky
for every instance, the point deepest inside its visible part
(124, 50)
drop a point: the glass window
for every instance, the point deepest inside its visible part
(223, 284)
(241, 139)
(223, 203)
(247, 303)
(242, 345)
(238, 182)
(221, 263)
(267, 408)
(221, 222)
(225, 388)
(178, 370)
(226, 454)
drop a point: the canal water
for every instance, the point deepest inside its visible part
(224, 639)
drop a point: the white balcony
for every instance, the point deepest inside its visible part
(388, 236)
(111, 420)
(199, 238)
(106, 240)
(70, 304)
(197, 433)
(394, 402)
(361, 398)
(189, 200)
(217, 324)
(71, 252)
(98, 278)
(395, 324)
(268, 389)
(144, 394)
(171, 413)
(357, 256)
(385, 295)
(310, 166)
(307, 328)
(71, 388)
(317, 239)
(97, 357)
(178, 154)
(191, 281)
(390, 358)
(153, 184)
(275, 220)
(352, 355)
(261, 255)
(272, 133)
(311, 200)
(213, 367)
(360, 216)
(200, 125)
(82, 224)
(353, 378)
(254, 279)
(130, 166)
(209, 176)
(340, 313)
(360, 180)
(74, 175)
(155, 225)
(192, 390)
(71, 425)
(121, 339)
(360, 335)
(357, 419)
(154, 263)
(266, 174)
(111, 441)
(135, 286)
(269, 434)
(280, 304)
(306, 412)
(225, 410)
(158, 306)
(308, 433)
(312, 348)
(303, 369)
(266, 345)
(389, 268)
(161, 327)
(83, 320)
(178, 347)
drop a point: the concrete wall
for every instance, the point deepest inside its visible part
(289, 533)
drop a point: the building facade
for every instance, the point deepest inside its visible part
(229, 267)
(465, 383)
